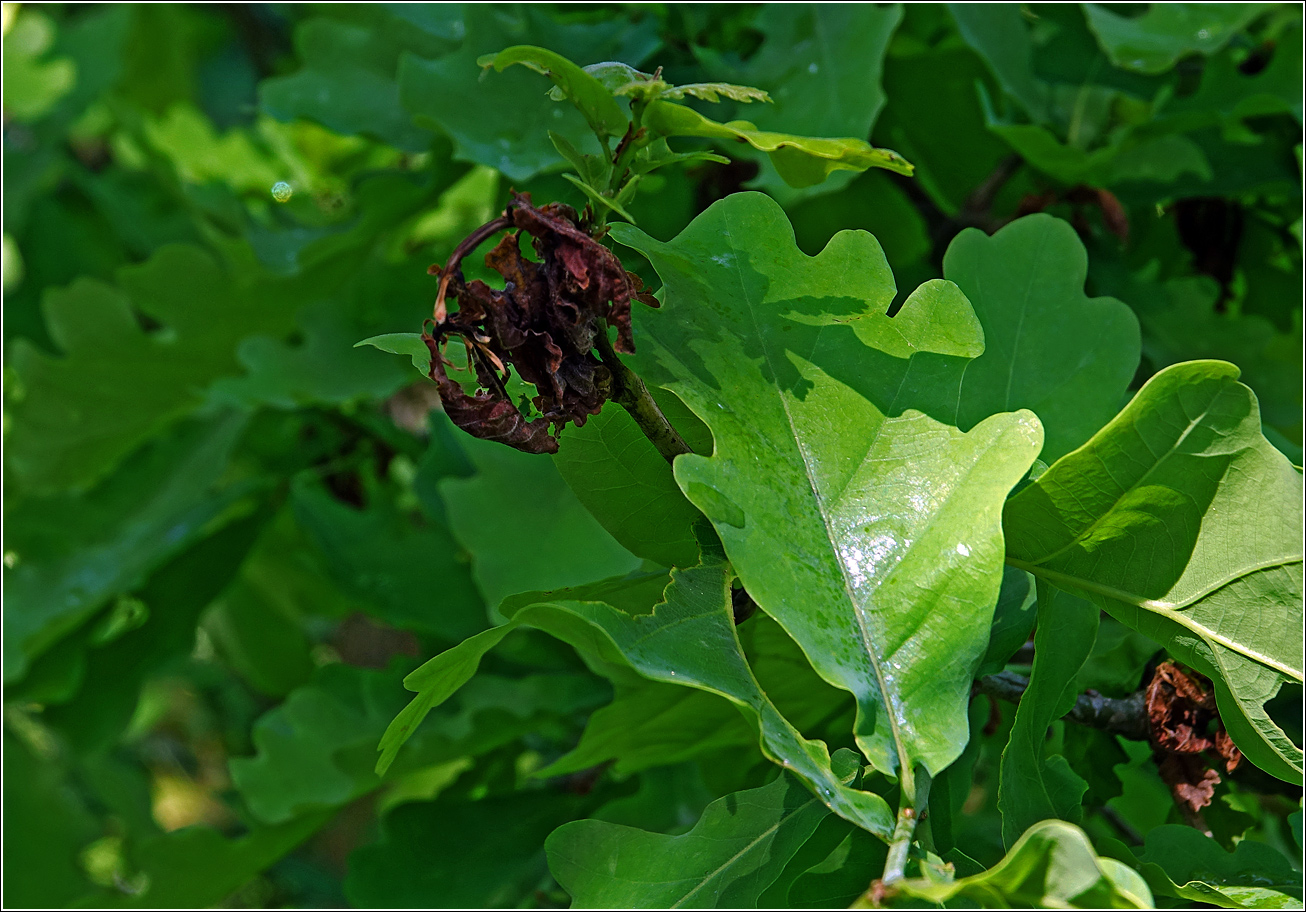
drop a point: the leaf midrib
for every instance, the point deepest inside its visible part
(744, 851)
(900, 747)
(1172, 612)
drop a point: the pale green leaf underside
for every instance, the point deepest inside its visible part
(802, 161)
(869, 530)
(1185, 523)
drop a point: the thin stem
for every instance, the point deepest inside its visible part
(629, 391)
(895, 865)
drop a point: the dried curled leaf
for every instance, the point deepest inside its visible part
(545, 323)
(1185, 724)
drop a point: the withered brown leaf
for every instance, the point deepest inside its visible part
(1185, 724)
(544, 324)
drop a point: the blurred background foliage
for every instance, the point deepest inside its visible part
(230, 533)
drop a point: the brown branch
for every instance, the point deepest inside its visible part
(1126, 716)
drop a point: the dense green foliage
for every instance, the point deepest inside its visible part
(981, 323)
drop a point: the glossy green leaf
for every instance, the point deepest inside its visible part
(685, 635)
(1048, 347)
(1053, 865)
(1034, 785)
(77, 416)
(1182, 863)
(831, 494)
(1182, 521)
(1154, 41)
(424, 858)
(523, 526)
(601, 111)
(799, 160)
(627, 486)
(820, 65)
(734, 852)
(71, 554)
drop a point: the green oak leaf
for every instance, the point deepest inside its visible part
(424, 858)
(169, 606)
(1227, 94)
(660, 724)
(1182, 324)
(75, 417)
(801, 161)
(313, 750)
(868, 529)
(33, 84)
(523, 526)
(1154, 41)
(72, 553)
(998, 33)
(627, 486)
(1033, 786)
(321, 370)
(1131, 156)
(734, 852)
(197, 867)
(684, 635)
(653, 724)
(820, 65)
(600, 110)
(414, 577)
(1181, 862)
(1048, 347)
(1051, 866)
(502, 121)
(409, 344)
(41, 869)
(1013, 619)
(1182, 521)
(953, 150)
(351, 56)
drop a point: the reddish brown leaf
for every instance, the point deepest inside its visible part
(1191, 781)
(1185, 724)
(543, 324)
